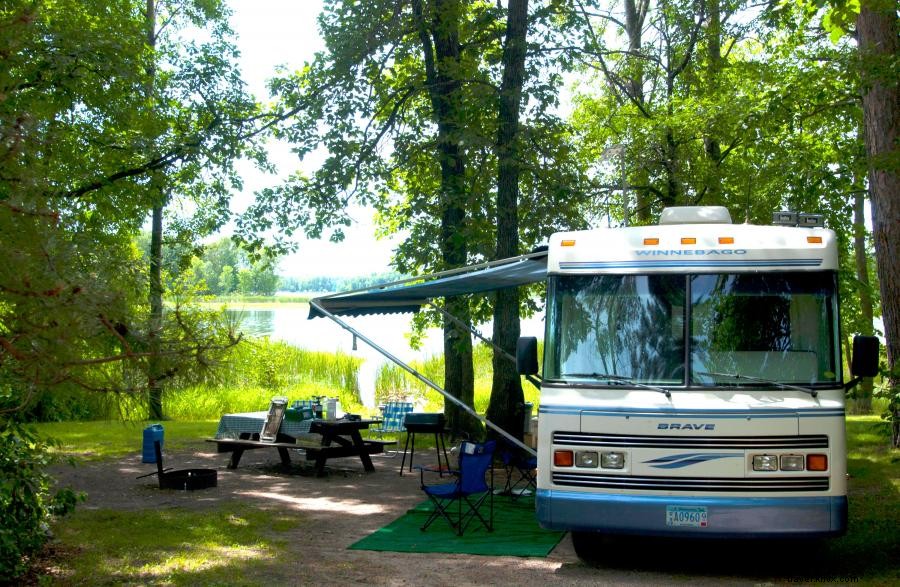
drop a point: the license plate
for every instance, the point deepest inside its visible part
(694, 517)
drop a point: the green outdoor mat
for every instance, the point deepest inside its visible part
(516, 533)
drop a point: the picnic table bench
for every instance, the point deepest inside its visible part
(327, 439)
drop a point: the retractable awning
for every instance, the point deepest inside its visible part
(410, 295)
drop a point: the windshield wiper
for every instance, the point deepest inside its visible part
(621, 381)
(811, 392)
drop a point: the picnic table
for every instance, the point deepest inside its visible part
(342, 438)
(320, 439)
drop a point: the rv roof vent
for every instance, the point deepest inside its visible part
(695, 215)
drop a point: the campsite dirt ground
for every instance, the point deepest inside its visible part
(337, 511)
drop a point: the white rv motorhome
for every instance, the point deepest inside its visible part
(692, 374)
(692, 380)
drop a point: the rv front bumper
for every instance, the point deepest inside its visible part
(711, 517)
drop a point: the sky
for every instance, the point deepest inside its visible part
(272, 33)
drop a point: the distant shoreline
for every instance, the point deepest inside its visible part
(237, 306)
(258, 302)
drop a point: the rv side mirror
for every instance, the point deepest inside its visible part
(526, 355)
(865, 356)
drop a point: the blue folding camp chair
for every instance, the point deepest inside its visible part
(520, 466)
(468, 491)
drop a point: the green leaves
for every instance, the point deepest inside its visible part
(97, 126)
(26, 501)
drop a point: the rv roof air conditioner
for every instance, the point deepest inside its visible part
(695, 215)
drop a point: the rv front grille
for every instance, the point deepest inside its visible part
(717, 442)
(693, 484)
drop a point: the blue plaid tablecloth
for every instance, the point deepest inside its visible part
(232, 425)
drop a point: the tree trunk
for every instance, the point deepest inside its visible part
(878, 45)
(635, 16)
(672, 195)
(505, 408)
(154, 385)
(864, 391)
(441, 56)
(711, 143)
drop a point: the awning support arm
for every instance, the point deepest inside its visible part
(471, 329)
(512, 439)
(533, 379)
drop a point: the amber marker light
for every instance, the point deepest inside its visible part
(563, 458)
(726, 240)
(688, 240)
(816, 462)
(815, 240)
(568, 243)
(651, 241)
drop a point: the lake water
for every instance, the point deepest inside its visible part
(391, 331)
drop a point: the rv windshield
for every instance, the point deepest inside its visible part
(630, 326)
(777, 326)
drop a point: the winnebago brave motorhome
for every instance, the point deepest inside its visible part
(692, 377)
(692, 380)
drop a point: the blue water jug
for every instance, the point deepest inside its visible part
(151, 434)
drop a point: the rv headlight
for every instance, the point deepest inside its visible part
(586, 458)
(792, 462)
(765, 462)
(612, 460)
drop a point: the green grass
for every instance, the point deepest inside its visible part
(277, 365)
(871, 548)
(230, 545)
(113, 439)
(224, 543)
(261, 369)
(249, 376)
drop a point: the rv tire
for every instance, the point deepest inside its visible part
(590, 546)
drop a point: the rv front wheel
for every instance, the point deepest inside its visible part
(589, 546)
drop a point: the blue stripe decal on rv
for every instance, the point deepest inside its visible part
(686, 459)
(689, 263)
(690, 413)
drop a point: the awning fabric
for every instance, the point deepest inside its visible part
(401, 298)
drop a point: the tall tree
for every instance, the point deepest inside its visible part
(879, 47)
(506, 389)
(649, 85)
(439, 34)
(80, 153)
(876, 31)
(67, 97)
(191, 88)
(405, 102)
(155, 373)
